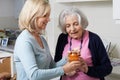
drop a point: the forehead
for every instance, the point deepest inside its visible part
(71, 18)
(44, 11)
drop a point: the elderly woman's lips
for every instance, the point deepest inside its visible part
(74, 33)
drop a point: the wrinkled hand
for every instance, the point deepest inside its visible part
(83, 67)
(71, 73)
(71, 66)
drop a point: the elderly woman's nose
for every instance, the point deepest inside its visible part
(72, 27)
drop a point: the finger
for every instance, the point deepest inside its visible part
(75, 62)
(78, 53)
(69, 51)
(81, 58)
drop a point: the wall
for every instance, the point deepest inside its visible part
(100, 18)
(7, 12)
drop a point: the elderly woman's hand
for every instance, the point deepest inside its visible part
(83, 67)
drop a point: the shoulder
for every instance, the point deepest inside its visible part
(63, 36)
(94, 38)
(24, 36)
(62, 40)
(93, 35)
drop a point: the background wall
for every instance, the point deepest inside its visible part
(7, 14)
(100, 16)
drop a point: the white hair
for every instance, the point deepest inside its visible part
(72, 12)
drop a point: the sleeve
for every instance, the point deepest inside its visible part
(61, 42)
(62, 62)
(101, 63)
(26, 55)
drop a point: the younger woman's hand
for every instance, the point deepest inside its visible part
(71, 66)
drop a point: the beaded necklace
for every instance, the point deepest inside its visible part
(81, 41)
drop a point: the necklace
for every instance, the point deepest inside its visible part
(81, 41)
(74, 56)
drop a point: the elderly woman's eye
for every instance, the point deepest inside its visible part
(67, 26)
(76, 24)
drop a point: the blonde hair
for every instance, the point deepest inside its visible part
(30, 11)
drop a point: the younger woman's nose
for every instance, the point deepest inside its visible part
(48, 19)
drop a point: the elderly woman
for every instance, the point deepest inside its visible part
(73, 22)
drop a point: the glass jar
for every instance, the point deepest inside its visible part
(73, 56)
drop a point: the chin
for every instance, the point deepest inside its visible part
(75, 37)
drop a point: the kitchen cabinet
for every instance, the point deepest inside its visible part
(79, 0)
(6, 63)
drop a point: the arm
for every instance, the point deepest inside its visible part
(101, 63)
(61, 42)
(27, 57)
(62, 62)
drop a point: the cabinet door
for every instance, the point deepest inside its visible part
(5, 65)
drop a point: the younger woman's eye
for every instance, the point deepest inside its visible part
(45, 15)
